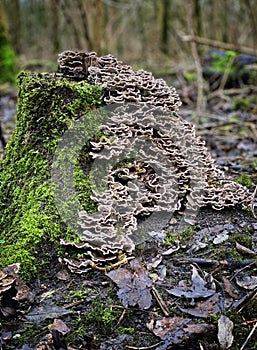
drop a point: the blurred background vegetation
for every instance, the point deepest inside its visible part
(144, 33)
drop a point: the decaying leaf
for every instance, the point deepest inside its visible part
(60, 326)
(196, 290)
(244, 250)
(46, 343)
(134, 285)
(41, 313)
(222, 237)
(7, 311)
(4, 339)
(229, 287)
(247, 282)
(175, 330)
(204, 308)
(54, 340)
(225, 328)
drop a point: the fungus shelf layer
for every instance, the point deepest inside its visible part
(153, 162)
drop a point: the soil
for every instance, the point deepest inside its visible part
(221, 245)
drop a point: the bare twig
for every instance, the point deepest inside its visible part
(249, 336)
(121, 317)
(75, 303)
(143, 347)
(112, 266)
(160, 301)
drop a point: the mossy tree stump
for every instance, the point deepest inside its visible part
(29, 220)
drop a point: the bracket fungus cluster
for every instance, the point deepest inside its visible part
(148, 165)
(120, 82)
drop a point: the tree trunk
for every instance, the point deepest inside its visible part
(165, 26)
(55, 26)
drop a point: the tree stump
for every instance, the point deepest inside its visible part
(30, 225)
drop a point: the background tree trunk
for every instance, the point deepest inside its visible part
(7, 58)
(165, 26)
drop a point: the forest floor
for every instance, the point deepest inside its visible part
(196, 289)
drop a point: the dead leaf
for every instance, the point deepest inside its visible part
(4, 339)
(222, 237)
(204, 308)
(60, 326)
(175, 330)
(134, 285)
(41, 313)
(63, 275)
(196, 290)
(247, 282)
(45, 343)
(7, 311)
(171, 250)
(244, 250)
(154, 262)
(225, 328)
(229, 288)
(169, 327)
(201, 328)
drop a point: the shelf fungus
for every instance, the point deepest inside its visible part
(148, 165)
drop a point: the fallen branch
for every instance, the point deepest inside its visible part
(217, 44)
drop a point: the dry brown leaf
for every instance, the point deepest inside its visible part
(247, 282)
(196, 290)
(59, 326)
(134, 285)
(175, 330)
(225, 328)
(204, 308)
(41, 313)
(229, 288)
(244, 250)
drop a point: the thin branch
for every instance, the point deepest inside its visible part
(217, 44)
(249, 336)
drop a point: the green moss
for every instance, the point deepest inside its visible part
(29, 219)
(100, 318)
(241, 103)
(245, 180)
(187, 234)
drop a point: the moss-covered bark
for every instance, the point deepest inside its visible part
(29, 219)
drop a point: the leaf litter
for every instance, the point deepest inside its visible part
(235, 287)
(134, 284)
